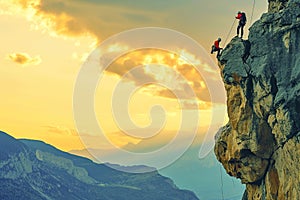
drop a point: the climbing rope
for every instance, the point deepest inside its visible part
(229, 32)
(221, 182)
(252, 12)
(251, 19)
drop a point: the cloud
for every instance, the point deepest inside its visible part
(193, 104)
(164, 137)
(67, 131)
(101, 18)
(165, 68)
(61, 130)
(91, 139)
(24, 59)
(104, 18)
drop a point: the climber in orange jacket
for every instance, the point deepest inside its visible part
(242, 17)
(216, 47)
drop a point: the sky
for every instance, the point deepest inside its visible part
(46, 43)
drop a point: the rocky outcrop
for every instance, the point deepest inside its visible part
(261, 142)
(65, 164)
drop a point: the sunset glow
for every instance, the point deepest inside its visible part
(45, 43)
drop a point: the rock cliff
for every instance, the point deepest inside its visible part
(261, 142)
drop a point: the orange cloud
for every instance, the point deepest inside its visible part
(174, 65)
(105, 18)
(24, 59)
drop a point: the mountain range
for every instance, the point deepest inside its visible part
(205, 177)
(35, 170)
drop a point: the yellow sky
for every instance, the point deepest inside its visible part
(45, 43)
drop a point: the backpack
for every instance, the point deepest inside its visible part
(243, 18)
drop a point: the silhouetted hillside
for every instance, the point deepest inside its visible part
(35, 170)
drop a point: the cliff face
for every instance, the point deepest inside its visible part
(261, 142)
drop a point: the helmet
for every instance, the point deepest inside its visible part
(219, 39)
(239, 12)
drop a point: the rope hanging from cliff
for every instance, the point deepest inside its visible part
(221, 182)
(252, 12)
(229, 32)
(251, 19)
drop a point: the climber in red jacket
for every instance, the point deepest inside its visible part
(216, 47)
(242, 17)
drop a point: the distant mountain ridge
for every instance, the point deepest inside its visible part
(202, 176)
(35, 170)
